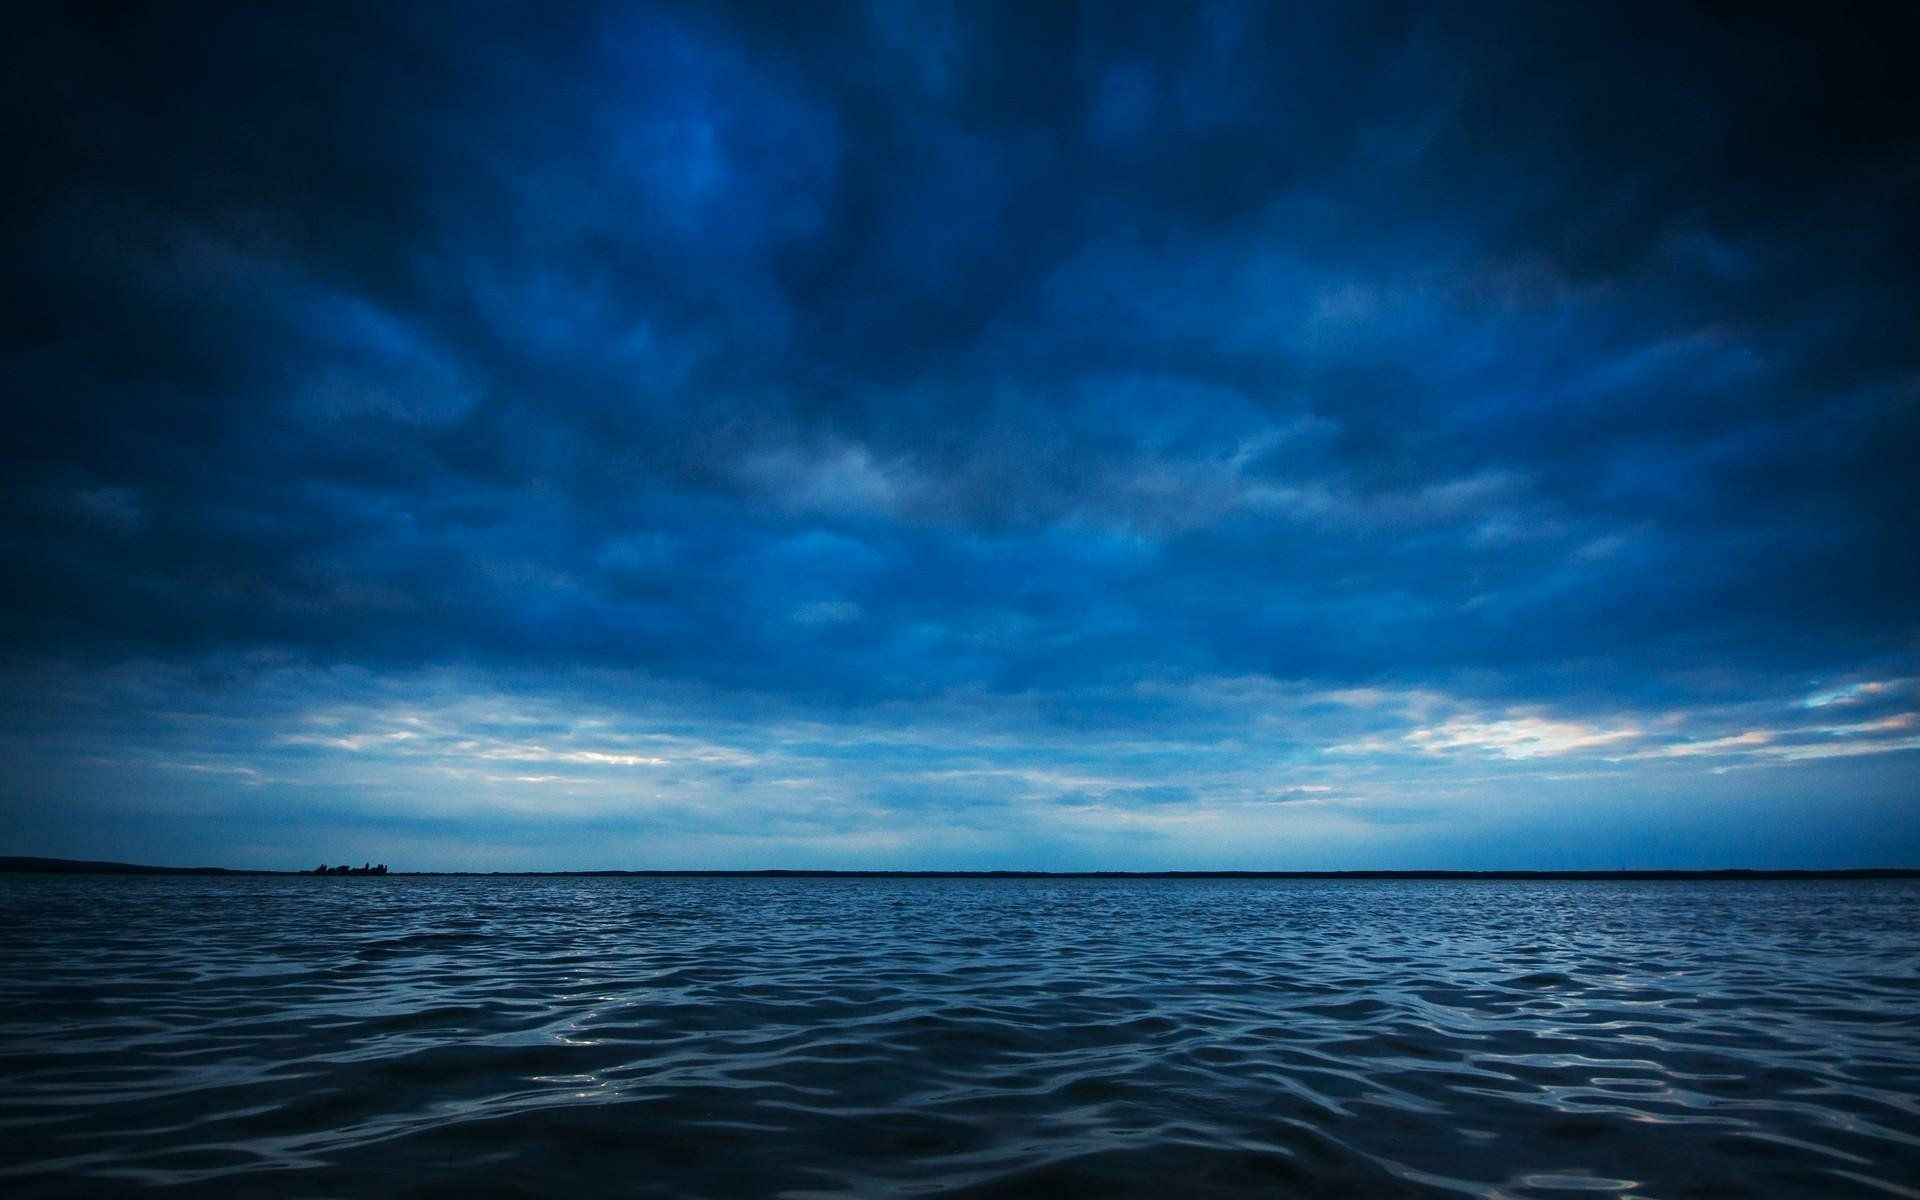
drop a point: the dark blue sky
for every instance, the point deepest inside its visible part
(977, 436)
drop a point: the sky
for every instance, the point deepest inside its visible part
(912, 435)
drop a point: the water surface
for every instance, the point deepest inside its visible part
(823, 1037)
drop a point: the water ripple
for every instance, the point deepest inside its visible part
(721, 1037)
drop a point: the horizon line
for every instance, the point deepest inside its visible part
(42, 865)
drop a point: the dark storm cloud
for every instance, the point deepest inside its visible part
(865, 356)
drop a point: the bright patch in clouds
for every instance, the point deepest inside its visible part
(1517, 737)
(1854, 693)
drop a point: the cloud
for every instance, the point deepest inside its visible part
(1213, 404)
(1738, 743)
(841, 481)
(1522, 736)
(1853, 693)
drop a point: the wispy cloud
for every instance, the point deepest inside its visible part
(1526, 736)
(1854, 693)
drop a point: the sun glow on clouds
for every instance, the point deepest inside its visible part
(1527, 736)
(1282, 732)
(450, 738)
(1733, 743)
(1854, 693)
(1435, 724)
(1242, 765)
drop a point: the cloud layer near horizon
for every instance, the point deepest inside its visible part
(902, 435)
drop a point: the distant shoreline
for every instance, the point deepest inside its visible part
(27, 865)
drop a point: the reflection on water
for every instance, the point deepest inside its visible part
(719, 1037)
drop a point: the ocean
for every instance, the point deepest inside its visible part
(478, 1037)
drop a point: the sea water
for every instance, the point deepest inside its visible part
(827, 1037)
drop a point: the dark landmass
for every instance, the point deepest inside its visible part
(68, 866)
